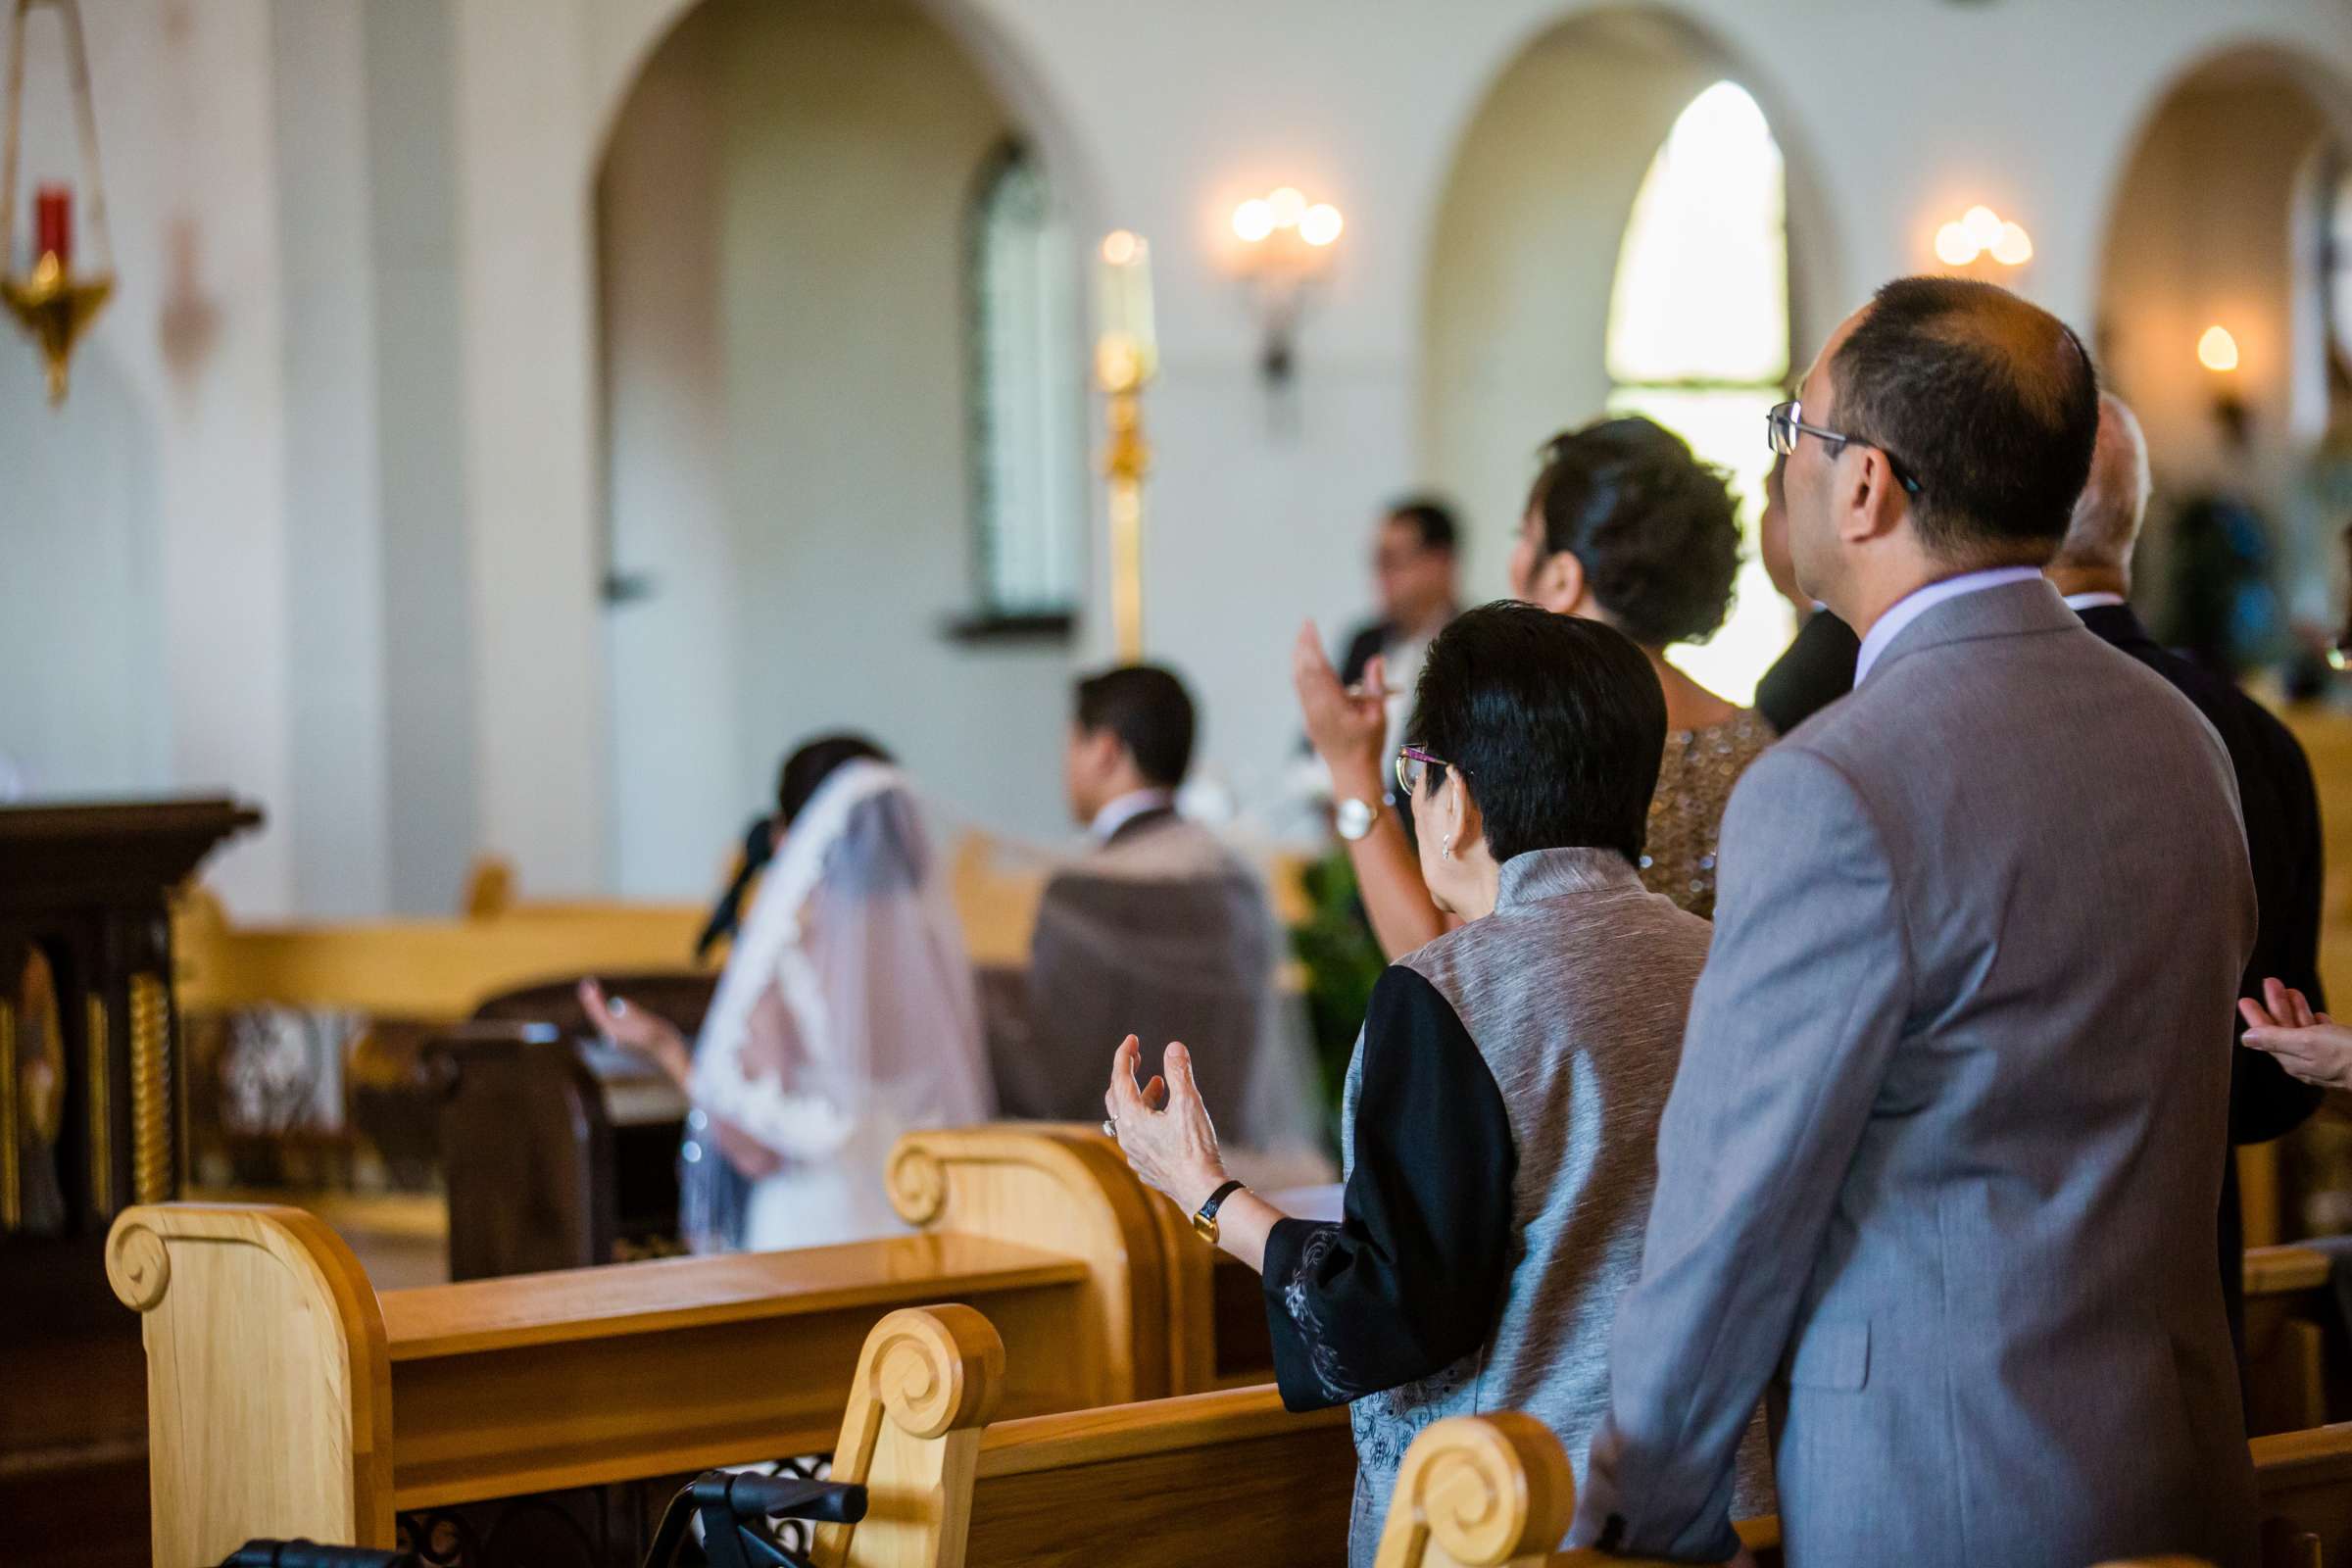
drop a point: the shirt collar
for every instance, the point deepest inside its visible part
(1919, 601)
(1126, 808)
(2082, 602)
(1548, 873)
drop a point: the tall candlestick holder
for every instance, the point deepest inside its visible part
(50, 299)
(1126, 355)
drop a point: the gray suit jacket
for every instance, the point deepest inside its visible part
(1941, 1158)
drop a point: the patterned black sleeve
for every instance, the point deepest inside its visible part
(1412, 1277)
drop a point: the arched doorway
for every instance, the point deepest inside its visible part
(845, 441)
(2235, 210)
(1616, 233)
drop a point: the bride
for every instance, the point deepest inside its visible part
(846, 1016)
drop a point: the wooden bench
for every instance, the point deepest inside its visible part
(1479, 1492)
(2288, 1310)
(1177, 1483)
(259, 1322)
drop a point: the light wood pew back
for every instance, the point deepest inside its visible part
(286, 1398)
(1177, 1483)
(1482, 1492)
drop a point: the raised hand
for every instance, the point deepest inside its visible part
(635, 1029)
(1346, 727)
(2309, 1045)
(1174, 1148)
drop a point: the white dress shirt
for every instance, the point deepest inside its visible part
(1126, 808)
(2079, 603)
(1919, 601)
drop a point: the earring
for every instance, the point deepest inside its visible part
(1447, 847)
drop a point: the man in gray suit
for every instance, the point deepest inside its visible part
(1940, 1154)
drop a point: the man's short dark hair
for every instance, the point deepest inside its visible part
(1990, 404)
(1557, 724)
(1150, 712)
(1432, 520)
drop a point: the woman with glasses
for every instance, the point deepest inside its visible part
(1501, 1109)
(1623, 526)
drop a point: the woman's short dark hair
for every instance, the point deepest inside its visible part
(812, 762)
(1556, 722)
(1655, 529)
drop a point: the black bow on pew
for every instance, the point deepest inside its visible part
(731, 1507)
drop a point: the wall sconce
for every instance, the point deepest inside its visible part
(1287, 245)
(2217, 350)
(49, 298)
(1982, 232)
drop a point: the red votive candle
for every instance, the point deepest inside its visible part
(53, 209)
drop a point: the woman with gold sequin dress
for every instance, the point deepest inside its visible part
(1624, 525)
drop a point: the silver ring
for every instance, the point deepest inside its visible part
(1111, 1128)
(618, 1007)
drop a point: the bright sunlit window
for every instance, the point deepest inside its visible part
(1698, 337)
(1027, 393)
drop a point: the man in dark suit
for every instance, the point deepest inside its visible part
(1414, 570)
(2276, 795)
(1818, 666)
(1158, 931)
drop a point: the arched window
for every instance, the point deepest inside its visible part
(1698, 335)
(1025, 392)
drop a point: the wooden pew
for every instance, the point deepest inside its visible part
(2287, 1312)
(1479, 1492)
(1178, 1482)
(259, 1324)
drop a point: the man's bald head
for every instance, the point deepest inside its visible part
(1989, 404)
(2114, 501)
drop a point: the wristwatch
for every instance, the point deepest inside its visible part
(1205, 1221)
(1354, 818)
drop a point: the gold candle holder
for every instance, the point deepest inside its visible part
(1125, 357)
(55, 302)
(55, 310)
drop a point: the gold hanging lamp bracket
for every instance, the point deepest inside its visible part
(50, 299)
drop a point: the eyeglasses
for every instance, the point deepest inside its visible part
(1412, 765)
(1787, 421)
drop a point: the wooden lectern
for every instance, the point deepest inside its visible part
(90, 1123)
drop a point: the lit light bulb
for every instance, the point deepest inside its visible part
(1320, 224)
(1983, 226)
(2015, 247)
(1288, 206)
(2217, 349)
(1120, 247)
(1253, 219)
(1953, 247)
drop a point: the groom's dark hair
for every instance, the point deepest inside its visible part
(1150, 712)
(1556, 722)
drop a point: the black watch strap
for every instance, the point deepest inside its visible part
(1216, 1199)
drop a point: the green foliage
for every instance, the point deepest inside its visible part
(1342, 961)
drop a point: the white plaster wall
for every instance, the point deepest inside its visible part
(1907, 108)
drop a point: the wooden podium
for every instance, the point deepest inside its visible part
(90, 1123)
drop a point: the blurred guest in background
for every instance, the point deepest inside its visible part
(1159, 931)
(1623, 526)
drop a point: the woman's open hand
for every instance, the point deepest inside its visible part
(1173, 1147)
(2310, 1045)
(635, 1029)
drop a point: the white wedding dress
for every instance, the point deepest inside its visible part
(846, 1016)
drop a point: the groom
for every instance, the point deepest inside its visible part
(1954, 1092)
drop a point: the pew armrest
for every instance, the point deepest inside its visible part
(269, 1388)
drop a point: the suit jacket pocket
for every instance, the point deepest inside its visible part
(1832, 1355)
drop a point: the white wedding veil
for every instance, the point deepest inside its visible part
(845, 1014)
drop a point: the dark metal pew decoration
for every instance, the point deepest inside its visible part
(311, 1555)
(733, 1511)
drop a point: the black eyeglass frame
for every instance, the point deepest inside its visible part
(1783, 422)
